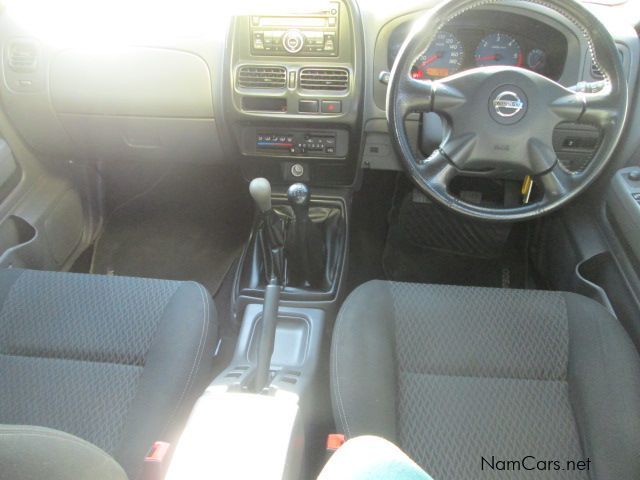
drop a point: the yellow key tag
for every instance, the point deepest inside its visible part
(525, 190)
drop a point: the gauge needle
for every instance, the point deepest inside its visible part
(495, 56)
(431, 59)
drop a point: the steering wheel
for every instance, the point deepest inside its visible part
(501, 119)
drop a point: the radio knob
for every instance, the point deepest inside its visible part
(293, 41)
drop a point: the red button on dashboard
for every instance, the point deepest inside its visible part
(331, 106)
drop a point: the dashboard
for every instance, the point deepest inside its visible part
(287, 90)
(487, 38)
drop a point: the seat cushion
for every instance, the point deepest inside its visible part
(116, 361)
(457, 374)
(34, 453)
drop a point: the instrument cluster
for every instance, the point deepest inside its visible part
(457, 47)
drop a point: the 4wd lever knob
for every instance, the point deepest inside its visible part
(260, 190)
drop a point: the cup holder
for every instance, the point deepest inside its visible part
(15, 233)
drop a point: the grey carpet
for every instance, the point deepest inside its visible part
(190, 226)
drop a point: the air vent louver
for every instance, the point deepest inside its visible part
(23, 56)
(331, 79)
(252, 76)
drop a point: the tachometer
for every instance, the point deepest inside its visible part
(498, 49)
(443, 57)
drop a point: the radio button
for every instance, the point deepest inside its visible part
(293, 41)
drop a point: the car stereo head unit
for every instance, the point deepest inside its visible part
(307, 34)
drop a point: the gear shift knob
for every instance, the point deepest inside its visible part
(299, 195)
(260, 190)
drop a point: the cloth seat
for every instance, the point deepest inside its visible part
(115, 361)
(462, 378)
(34, 453)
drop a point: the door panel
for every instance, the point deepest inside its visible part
(45, 216)
(591, 248)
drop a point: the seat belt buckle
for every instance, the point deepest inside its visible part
(334, 442)
(153, 462)
(157, 452)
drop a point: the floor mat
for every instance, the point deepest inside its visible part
(190, 225)
(428, 244)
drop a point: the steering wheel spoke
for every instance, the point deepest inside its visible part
(542, 156)
(459, 149)
(446, 97)
(428, 96)
(557, 183)
(600, 109)
(569, 107)
(439, 170)
(595, 108)
(417, 96)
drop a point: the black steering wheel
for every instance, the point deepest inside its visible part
(501, 119)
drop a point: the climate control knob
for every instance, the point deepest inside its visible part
(293, 41)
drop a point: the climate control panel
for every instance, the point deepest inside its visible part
(295, 143)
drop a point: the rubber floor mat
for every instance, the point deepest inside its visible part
(428, 244)
(190, 233)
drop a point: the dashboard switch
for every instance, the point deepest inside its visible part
(297, 170)
(331, 106)
(308, 106)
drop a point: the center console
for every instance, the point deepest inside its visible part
(294, 92)
(293, 105)
(287, 291)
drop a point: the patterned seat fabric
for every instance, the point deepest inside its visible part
(115, 361)
(455, 375)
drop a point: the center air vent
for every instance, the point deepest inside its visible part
(252, 76)
(332, 79)
(23, 56)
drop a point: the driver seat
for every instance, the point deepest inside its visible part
(464, 377)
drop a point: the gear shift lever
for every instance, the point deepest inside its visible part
(306, 246)
(272, 230)
(299, 197)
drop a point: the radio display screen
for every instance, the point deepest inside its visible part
(297, 21)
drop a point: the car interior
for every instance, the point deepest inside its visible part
(320, 239)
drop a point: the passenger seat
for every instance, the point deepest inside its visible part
(115, 361)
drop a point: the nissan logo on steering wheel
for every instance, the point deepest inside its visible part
(508, 104)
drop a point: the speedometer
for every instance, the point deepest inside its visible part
(443, 57)
(498, 49)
